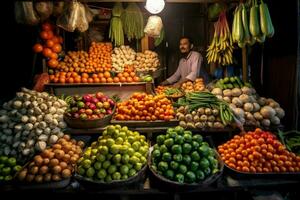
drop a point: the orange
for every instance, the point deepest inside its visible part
(103, 80)
(136, 79)
(116, 80)
(109, 80)
(77, 79)
(132, 74)
(57, 48)
(129, 79)
(120, 75)
(71, 80)
(52, 63)
(85, 75)
(47, 52)
(106, 74)
(90, 80)
(126, 74)
(49, 43)
(96, 80)
(84, 80)
(123, 79)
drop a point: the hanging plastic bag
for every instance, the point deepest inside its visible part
(154, 26)
(44, 9)
(88, 13)
(58, 8)
(25, 13)
(68, 19)
(82, 23)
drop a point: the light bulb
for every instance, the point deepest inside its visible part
(155, 6)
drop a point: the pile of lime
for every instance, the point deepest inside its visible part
(8, 168)
(117, 155)
(183, 157)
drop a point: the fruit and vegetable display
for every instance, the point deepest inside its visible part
(221, 48)
(169, 91)
(8, 168)
(122, 56)
(142, 106)
(50, 45)
(183, 157)
(117, 155)
(89, 106)
(196, 86)
(116, 33)
(258, 152)
(253, 26)
(231, 82)
(203, 109)
(53, 164)
(29, 123)
(147, 61)
(249, 108)
(133, 22)
(290, 139)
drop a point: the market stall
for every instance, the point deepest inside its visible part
(99, 121)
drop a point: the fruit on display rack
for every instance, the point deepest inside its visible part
(147, 61)
(29, 123)
(231, 82)
(117, 155)
(196, 86)
(53, 164)
(183, 157)
(221, 48)
(249, 108)
(258, 152)
(122, 56)
(142, 106)
(89, 106)
(8, 168)
(50, 45)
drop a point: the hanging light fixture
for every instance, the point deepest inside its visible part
(155, 6)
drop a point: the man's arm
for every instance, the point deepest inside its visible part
(174, 78)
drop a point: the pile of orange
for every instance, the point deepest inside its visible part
(142, 106)
(127, 76)
(100, 56)
(50, 46)
(258, 152)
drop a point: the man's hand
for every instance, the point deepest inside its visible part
(177, 85)
(165, 83)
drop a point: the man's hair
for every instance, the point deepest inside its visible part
(188, 38)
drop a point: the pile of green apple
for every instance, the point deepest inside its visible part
(117, 155)
(90, 106)
(8, 168)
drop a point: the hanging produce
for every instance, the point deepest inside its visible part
(160, 39)
(154, 26)
(267, 27)
(116, 33)
(220, 50)
(133, 22)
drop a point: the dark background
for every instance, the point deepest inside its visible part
(280, 52)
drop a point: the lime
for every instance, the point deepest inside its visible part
(116, 176)
(87, 163)
(186, 148)
(130, 151)
(109, 156)
(156, 153)
(112, 169)
(176, 149)
(214, 171)
(110, 129)
(106, 164)
(179, 178)
(11, 162)
(129, 165)
(124, 177)
(17, 168)
(90, 172)
(131, 172)
(200, 175)
(125, 158)
(204, 163)
(177, 157)
(124, 169)
(102, 142)
(167, 157)
(163, 148)
(174, 165)
(108, 178)
(198, 138)
(136, 146)
(101, 174)
(110, 142)
(116, 134)
(188, 132)
(190, 177)
(137, 154)
(138, 166)
(117, 158)
(114, 149)
(156, 147)
(170, 130)
(94, 151)
(144, 150)
(103, 150)
(133, 160)
(97, 165)
(118, 126)
(8, 178)
(122, 135)
(194, 166)
(187, 137)
(100, 158)
(182, 169)
(143, 160)
(130, 139)
(186, 159)
(119, 140)
(179, 139)
(169, 174)
(81, 170)
(169, 142)
(195, 156)
(162, 166)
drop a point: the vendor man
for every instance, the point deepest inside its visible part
(189, 65)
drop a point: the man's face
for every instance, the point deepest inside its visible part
(184, 46)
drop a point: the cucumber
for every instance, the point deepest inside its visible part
(226, 80)
(239, 82)
(232, 80)
(230, 86)
(236, 85)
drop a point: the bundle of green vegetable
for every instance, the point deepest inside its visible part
(197, 100)
(133, 22)
(116, 33)
(291, 139)
(173, 91)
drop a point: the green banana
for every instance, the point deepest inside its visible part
(239, 28)
(254, 21)
(267, 27)
(245, 24)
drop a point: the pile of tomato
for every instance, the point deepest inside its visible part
(142, 106)
(258, 152)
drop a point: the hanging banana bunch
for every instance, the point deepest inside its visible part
(221, 48)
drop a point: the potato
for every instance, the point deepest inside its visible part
(63, 165)
(47, 177)
(30, 178)
(56, 169)
(38, 160)
(39, 178)
(57, 146)
(66, 173)
(53, 162)
(43, 170)
(34, 170)
(56, 177)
